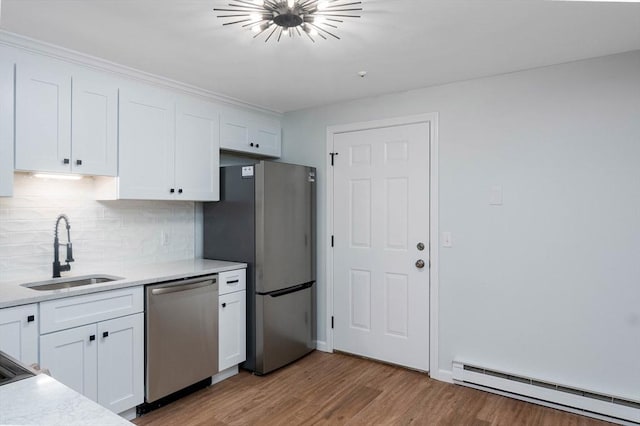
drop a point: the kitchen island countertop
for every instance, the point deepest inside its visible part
(12, 293)
(42, 400)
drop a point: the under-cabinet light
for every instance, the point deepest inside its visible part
(57, 176)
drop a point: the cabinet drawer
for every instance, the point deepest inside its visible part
(75, 311)
(231, 281)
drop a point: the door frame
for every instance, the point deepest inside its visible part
(432, 119)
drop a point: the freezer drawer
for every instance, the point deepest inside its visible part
(283, 328)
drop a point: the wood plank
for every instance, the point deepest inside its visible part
(337, 389)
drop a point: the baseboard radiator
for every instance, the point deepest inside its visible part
(554, 395)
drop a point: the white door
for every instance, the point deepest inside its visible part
(381, 216)
(121, 362)
(72, 358)
(197, 151)
(94, 130)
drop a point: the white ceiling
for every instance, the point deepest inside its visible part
(402, 44)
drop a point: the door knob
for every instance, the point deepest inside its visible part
(420, 264)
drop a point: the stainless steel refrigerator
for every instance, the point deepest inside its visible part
(266, 218)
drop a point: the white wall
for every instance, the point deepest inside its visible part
(548, 284)
(103, 233)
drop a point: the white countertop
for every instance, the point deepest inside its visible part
(13, 294)
(42, 400)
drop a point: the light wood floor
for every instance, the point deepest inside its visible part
(334, 389)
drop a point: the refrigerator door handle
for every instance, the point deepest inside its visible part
(289, 290)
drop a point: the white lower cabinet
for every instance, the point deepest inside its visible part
(19, 333)
(72, 358)
(232, 320)
(103, 360)
(232, 332)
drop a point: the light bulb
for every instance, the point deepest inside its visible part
(319, 20)
(285, 31)
(322, 5)
(256, 28)
(291, 3)
(255, 17)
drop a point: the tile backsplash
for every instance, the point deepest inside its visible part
(102, 232)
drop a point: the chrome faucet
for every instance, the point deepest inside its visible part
(57, 268)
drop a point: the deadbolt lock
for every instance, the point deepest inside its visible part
(420, 246)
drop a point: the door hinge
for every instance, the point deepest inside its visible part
(332, 241)
(332, 322)
(333, 154)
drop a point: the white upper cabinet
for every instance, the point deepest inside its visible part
(66, 118)
(6, 123)
(147, 128)
(249, 133)
(43, 115)
(94, 124)
(197, 150)
(168, 146)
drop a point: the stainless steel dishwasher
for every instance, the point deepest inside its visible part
(181, 322)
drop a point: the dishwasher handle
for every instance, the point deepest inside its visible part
(184, 286)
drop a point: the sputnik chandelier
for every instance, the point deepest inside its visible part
(288, 18)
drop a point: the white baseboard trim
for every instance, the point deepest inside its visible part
(321, 345)
(442, 375)
(224, 375)
(129, 414)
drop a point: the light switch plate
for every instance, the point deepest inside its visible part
(446, 239)
(495, 195)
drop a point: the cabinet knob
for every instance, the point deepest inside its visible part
(180, 191)
(79, 162)
(257, 145)
(92, 337)
(172, 190)
(105, 334)
(224, 305)
(251, 144)
(65, 161)
(31, 318)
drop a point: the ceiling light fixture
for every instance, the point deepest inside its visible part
(290, 17)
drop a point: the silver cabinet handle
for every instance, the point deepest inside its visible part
(183, 286)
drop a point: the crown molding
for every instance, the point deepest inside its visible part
(31, 45)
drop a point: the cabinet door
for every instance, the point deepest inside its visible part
(232, 329)
(43, 115)
(19, 332)
(234, 132)
(146, 155)
(250, 133)
(197, 151)
(121, 363)
(267, 140)
(6, 123)
(72, 358)
(94, 130)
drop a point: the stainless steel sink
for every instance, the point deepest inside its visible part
(61, 283)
